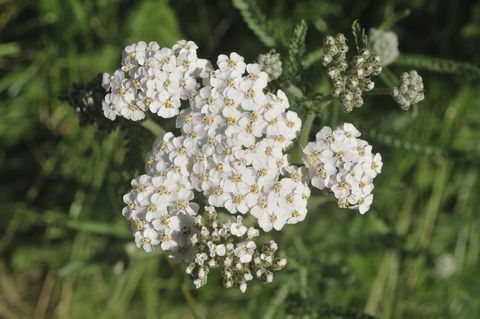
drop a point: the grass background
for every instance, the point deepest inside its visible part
(66, 251)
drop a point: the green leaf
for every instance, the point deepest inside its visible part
(312, 58)
(438, 65)
(256, 20)
(9, 49)
(392, 18)
(95, 227)
(361, 39)
(296, 49)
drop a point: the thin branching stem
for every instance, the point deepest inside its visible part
(153, 127)
(187, 295)
(380, 91)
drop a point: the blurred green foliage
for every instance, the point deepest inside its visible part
(66, 251)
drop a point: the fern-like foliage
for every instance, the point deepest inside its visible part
(439, 65)
(296, 49)
(361, 39)
(461, 156)
(256, 20)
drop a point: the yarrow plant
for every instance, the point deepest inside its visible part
(342, 163)
(385, 45)
(410, 91)
(239, 163)
(349, 79)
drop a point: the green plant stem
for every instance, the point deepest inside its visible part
(153, 127)
(306, 128)
(294, 91)
(187, 295)
(380, 91)
(190, 301)
(307, 124)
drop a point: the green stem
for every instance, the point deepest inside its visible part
(380, 91)
(153, 127)
(294, 91)
(303, 139)
(306, 128)
(187, 295)
(307, 124)
(388, 77)
(190, 301)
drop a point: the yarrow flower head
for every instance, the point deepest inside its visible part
(410, 91)
(152, 79)
(341, 163)
(349, 80)
(271, 64)
(385, 45)
(230, 246)
(231, 152)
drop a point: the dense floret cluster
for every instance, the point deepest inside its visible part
(230, 246)
(152, 79)
(271, 64)
(384, 44)
(231, 152)
(341, 163)
(349, 80)
(410, 91)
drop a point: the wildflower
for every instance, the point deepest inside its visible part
(349, 80)
(271, 64)
(410, 91)
(384, 44)
(238, 256)
(230, 151)
(343, 164)
(151, 78)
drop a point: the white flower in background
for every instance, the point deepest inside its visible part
(410, 91)
(445, 265)
(342, 163)
(271, 64)
(385, 45)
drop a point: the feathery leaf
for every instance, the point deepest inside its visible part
(438, 65)
(256, 20)
(296, 49)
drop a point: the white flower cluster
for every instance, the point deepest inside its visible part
(410, 91)
(231, 152)
(384, 44)
(343, 164)
(162, 214)
(271, 64)
(230, 246)
(349, 80)
(152, 78)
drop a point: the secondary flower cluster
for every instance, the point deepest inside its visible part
(152, 78)
(343, 164)
(410, 91)
(349, 80)
(384, 44)
(161, 214)
(271, 64)
(230, 246)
